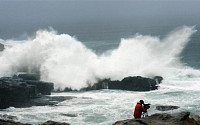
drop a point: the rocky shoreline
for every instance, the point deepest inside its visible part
(182, 118)
(26, 90)
(20, 90)
(11, 122)
(1, 47)
(131, 83)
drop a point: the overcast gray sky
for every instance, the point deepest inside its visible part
(20, 16)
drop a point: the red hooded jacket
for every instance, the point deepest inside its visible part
(138, 110)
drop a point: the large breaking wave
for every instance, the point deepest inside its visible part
(67, 62)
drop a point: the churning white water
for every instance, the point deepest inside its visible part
(64, 60)
(106, 106)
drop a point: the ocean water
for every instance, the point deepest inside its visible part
(71, 43)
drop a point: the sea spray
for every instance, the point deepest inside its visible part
(67, 62)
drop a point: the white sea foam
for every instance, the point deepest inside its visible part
(65, 61)
(105, 106)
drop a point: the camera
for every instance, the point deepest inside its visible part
(147, 106)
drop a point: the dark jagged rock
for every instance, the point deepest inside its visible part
(1, 47)
(101, 84)
(134, 84)
(13, 94)
(137, 83)
(196, 118)
(7, 117)
(44, 88)
(11, 122)
(166, 108)
(47, 100)
(158, 79)
(54, 123)
(17, 92)
(29, 76)
(68, 89)
(161, 119)
(69, 115)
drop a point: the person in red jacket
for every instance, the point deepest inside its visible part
(139, 109)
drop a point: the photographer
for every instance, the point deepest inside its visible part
(140, 108)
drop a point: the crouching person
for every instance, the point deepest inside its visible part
(139, 109)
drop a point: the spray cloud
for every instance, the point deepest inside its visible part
(62, 59)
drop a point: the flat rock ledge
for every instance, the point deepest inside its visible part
(131, 83)
(54, 123)
(182, 118)
(166, 108)
(1, 47)
(163, 119)
(18, 90)
(11, 122)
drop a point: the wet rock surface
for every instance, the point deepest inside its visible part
(69, 115)
(166, 108)
(7, 117)
(54, 123)
(48, 100)
(11, 122)
(17, 92)
(162, 119)
(136, 83)
(182, 118)
(196, 118)
(1, 47)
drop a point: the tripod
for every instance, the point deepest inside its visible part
(144, 114)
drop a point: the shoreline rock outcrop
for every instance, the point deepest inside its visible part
(166, 107)
(162, 119)
(1, 47)
(11, 122)
(182, 118)
(54, 123)
(23, 89)
(17, 92)
(131, 83)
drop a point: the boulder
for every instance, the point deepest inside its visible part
(136, 83)
(158, 79)
(44, 88)
(17, 92)
(101, 84)
(196, 118)
(54, 123)
(48, 100)
(8, 117)
(166, 108)
(161, 119)
(26, 76)
(69, 115)
(10, 122)
(1, 47)
(13, 94)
